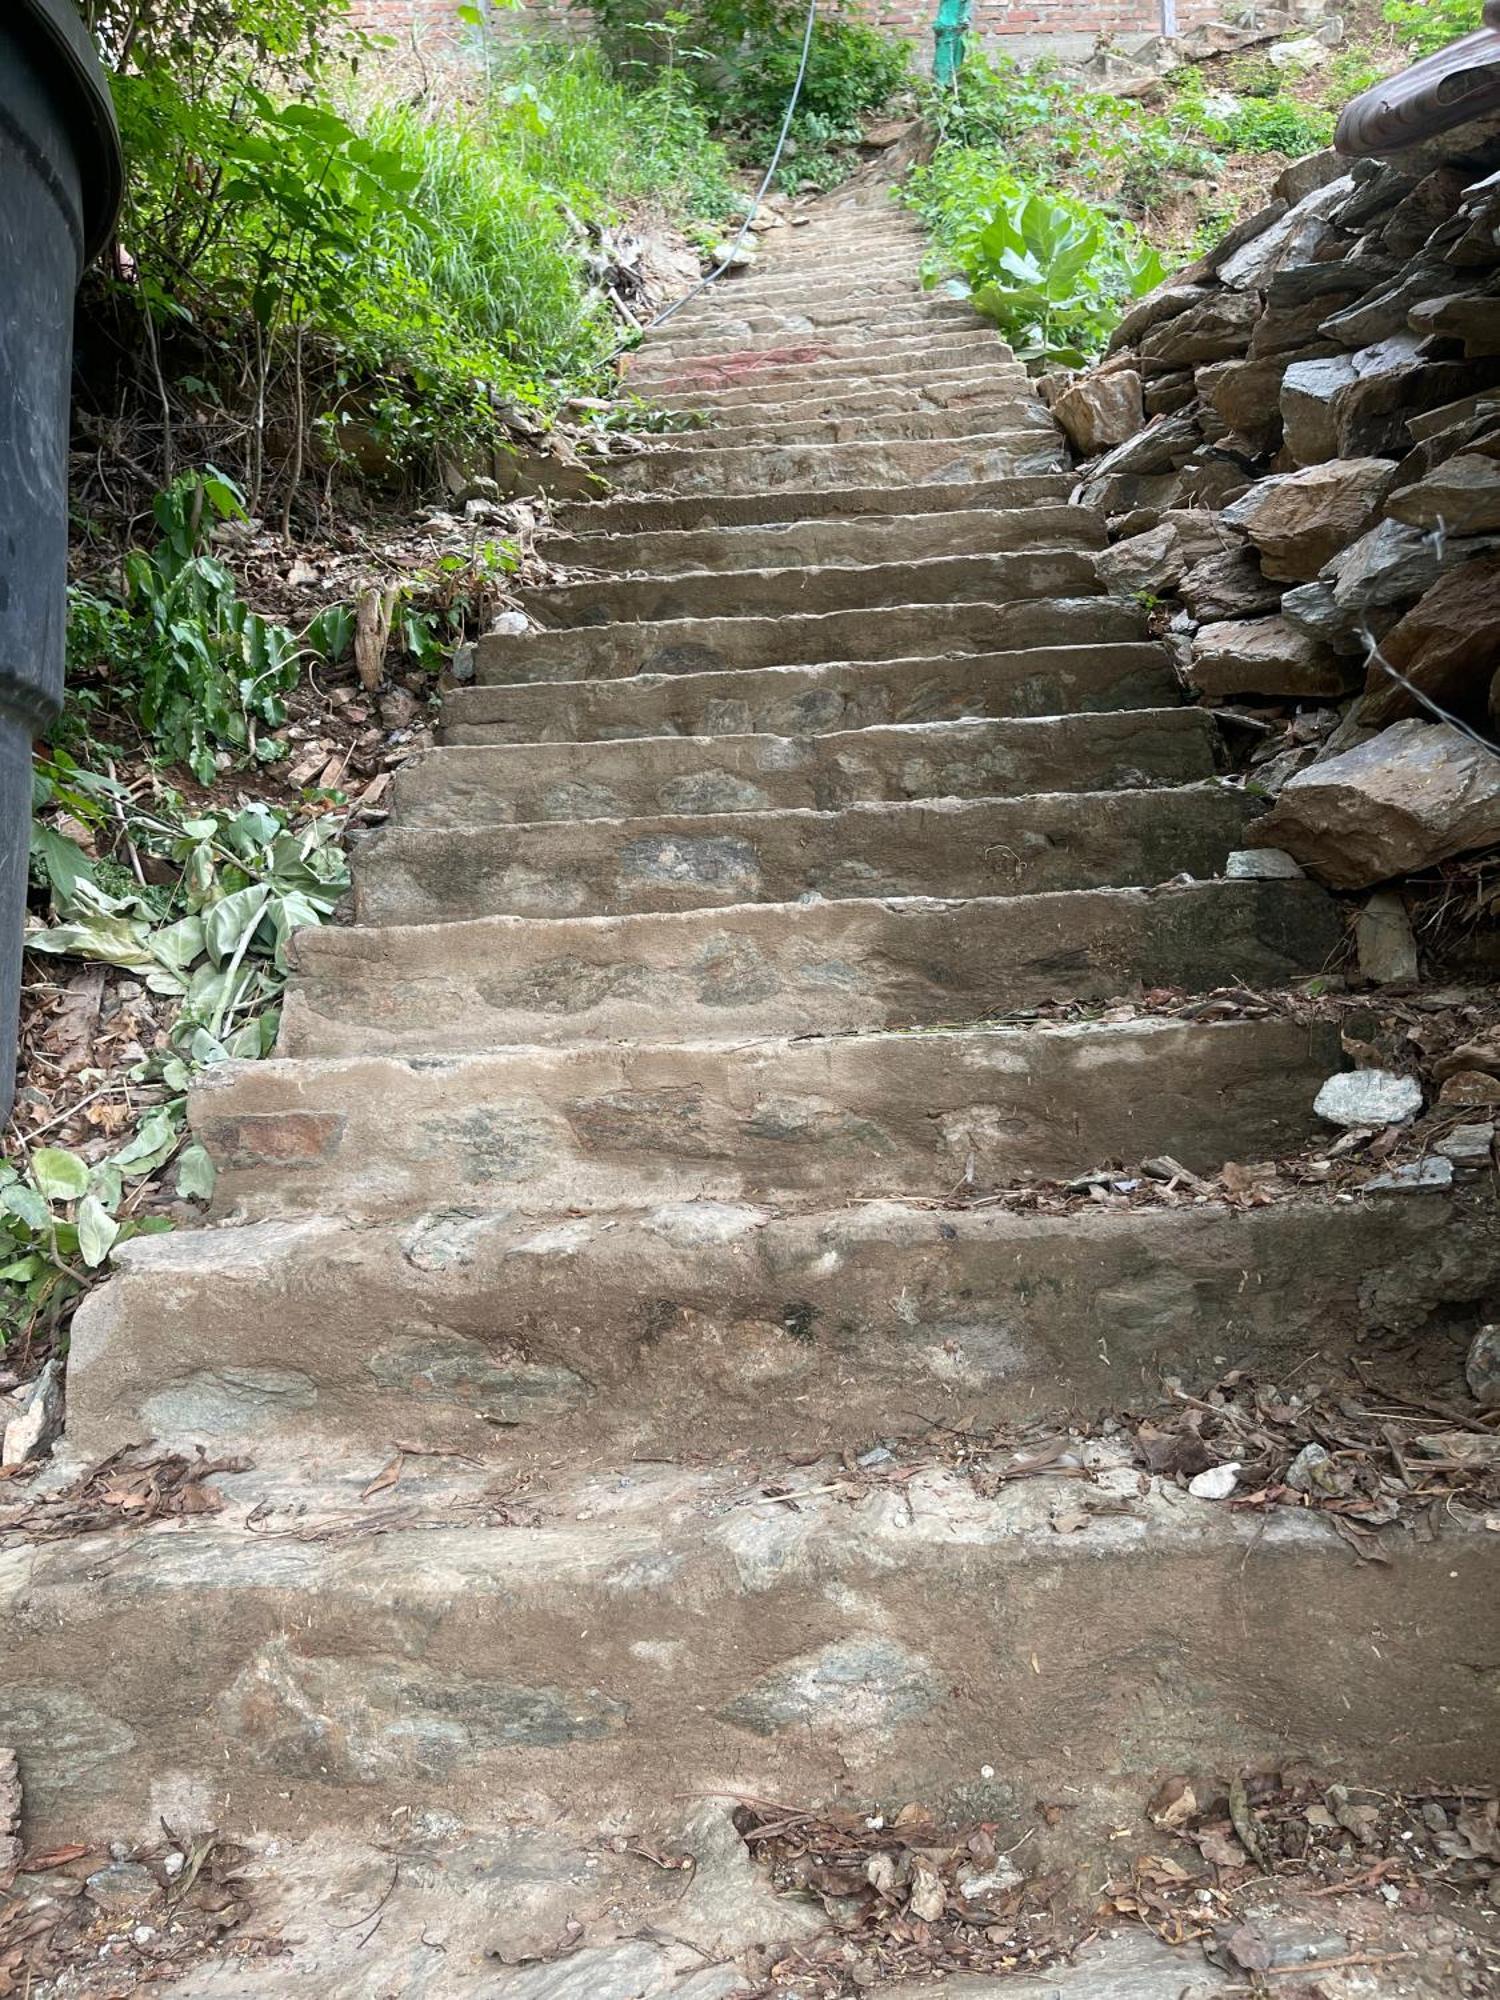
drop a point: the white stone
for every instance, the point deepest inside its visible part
(1217, 1483)
(36, 1415)
(1413, 1177)
(1261, 864)
(1369, 1097)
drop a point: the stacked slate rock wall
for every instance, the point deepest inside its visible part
(1296, 443)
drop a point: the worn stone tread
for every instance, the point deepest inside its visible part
(710, 1327)
(705, 645)
(627, 514)
(1001, 454)
(793, 968)
(853, 326)
(834, 695)
(858, 1115)
(985, 846)
(765, 370)
(1003, 577)
(629, 1635)
(986, 416)
(619, 779)
(776, 354)
(916, 388)
(870, 538)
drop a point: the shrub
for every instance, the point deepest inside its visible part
(1428, 25)
(742, 58)
(1036, 125)
(1050, 270)
(579, 129)
(1278, 125)
(206, 672)
(852, 70)
(375, 281)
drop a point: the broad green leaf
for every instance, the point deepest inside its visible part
(97, 1231)
(60, 1176)
(113, 940)
(195, 1173)
(30, 1206)
(155, 1142)
(23, 1270)
(177, 945)
(64, 864)
(232, 921)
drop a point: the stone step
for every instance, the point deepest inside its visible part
(821, 268)
(729, 774)
(859, 1116)
(790, 968)
(955, 389)
(893, 278)
(885, 282)
(867, 461)
(621, 1637)
(630, 514)
(809, 357)
(824, 267)
(1007, 578)
(907, 320)
(909, 338)
(868, 539)
(805, 365)
(985, 417)
(911, 388)
(1030, 845)
(773, 389)
(726, 1327)
(808, 701)
(860, 319)
(703, 645)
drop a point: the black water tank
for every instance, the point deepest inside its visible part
(60, 181)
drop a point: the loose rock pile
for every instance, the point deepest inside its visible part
(1296, 442)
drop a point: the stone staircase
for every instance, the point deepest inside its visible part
(640, 1146)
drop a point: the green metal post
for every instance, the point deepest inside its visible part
(949, 32)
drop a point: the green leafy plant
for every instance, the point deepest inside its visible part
(308, 281)
(1051, 272)
(215, 938)
(1428, 25)
(853, 70)
(741, 59)
(200, 907)
(61, 1217)
(1278, 125)
(208, 673)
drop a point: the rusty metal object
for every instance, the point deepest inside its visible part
(1444, 90)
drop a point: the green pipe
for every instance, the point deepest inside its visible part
(949, 34)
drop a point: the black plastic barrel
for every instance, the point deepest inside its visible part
(60, 180)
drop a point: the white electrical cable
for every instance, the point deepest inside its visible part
(760, 194)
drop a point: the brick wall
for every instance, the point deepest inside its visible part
(433, 22)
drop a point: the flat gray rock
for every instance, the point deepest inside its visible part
(1369, 1097)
